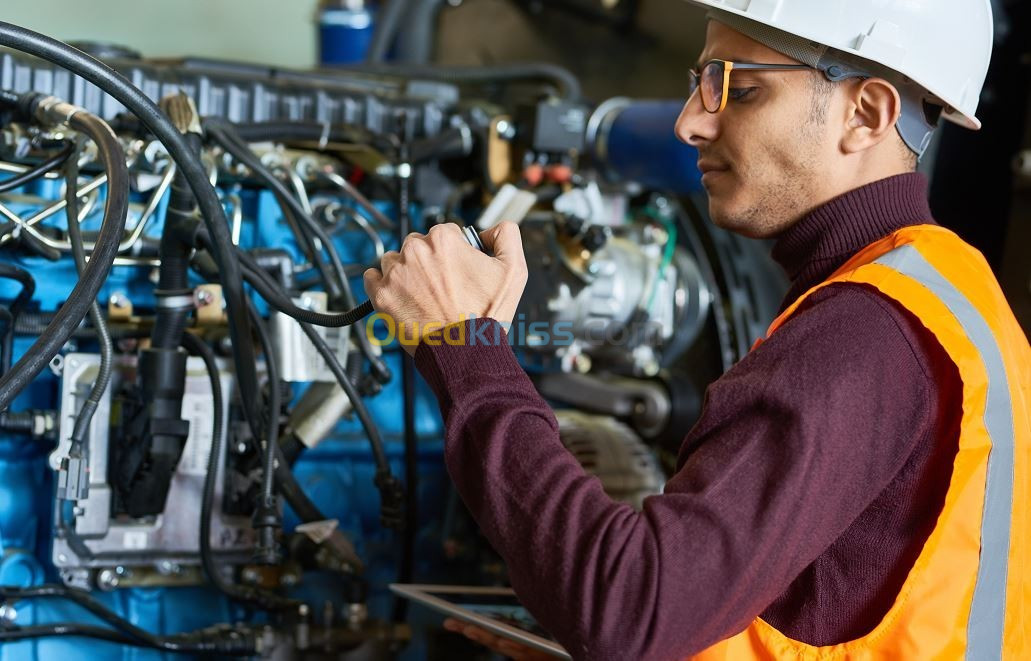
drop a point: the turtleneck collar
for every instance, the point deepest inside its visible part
(814, 247)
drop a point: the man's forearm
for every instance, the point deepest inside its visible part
(591, 570)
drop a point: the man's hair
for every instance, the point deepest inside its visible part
(820, 89)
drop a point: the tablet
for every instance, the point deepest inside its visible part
(494, 609)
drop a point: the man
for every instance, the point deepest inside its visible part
(856, 486)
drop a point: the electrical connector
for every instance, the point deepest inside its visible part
(73, 478)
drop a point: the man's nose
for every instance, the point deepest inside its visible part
(695, 126)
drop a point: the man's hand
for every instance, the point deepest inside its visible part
(439, 279)
(498, 644)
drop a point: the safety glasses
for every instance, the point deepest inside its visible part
(714, 80)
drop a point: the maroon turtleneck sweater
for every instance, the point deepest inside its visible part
(803, 494)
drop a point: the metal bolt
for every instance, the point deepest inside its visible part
(241, 447)
(119, 300)
(249, 575)
(107, 580)
(204, 297)
(505, 129)
(62, 558)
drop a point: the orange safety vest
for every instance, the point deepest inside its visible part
(968, 595)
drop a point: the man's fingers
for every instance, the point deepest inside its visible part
(389, 260)
(373, 280)
(505, 241)
(411, 237)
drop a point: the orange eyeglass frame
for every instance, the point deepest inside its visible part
(723, 68)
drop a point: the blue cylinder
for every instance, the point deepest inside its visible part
(634, 141)
(345, 33)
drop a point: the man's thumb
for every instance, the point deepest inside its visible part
(504, 241)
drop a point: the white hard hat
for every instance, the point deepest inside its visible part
(943, 46)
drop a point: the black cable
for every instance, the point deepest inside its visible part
(387, 24)
(85, 292)
(225, 645)
(139, 104)
(103, 378)
(262, 598)
(52, 163)
(197, 347)
(224, 135)
(66, 629)
(339, 287)
(129, 633)
(418, 32)
(273, 294)
(286, 481)
(411, 449)
(281, 302)
(391, 492)
(28, 288)
(266, 515)
(563, 78)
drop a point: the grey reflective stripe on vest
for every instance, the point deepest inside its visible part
(988, 609)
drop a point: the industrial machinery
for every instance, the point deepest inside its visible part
(204, 448)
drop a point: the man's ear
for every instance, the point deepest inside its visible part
(874, 106)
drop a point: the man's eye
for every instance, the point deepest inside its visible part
(740, 93)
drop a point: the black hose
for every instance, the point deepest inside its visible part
(391, 492)
(224, 135)
(227, 647)
(281, 302)
(28, 288)
(418, 32)
(262, 598)
(197, 347)
(534, 71)
(288, 484)
(411, 441)
(285, 479)
(52, 163)
(66, 629)
(85, 292)
(338, 287)
(267, 521)
(387, 24)
(126, 632)
(174, 253)
(103, 378)
(137, 102)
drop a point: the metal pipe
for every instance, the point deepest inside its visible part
(126, 245)
(57, 207)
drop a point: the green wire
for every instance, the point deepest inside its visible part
(667, 254)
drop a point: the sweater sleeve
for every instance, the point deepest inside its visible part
(793, 443)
